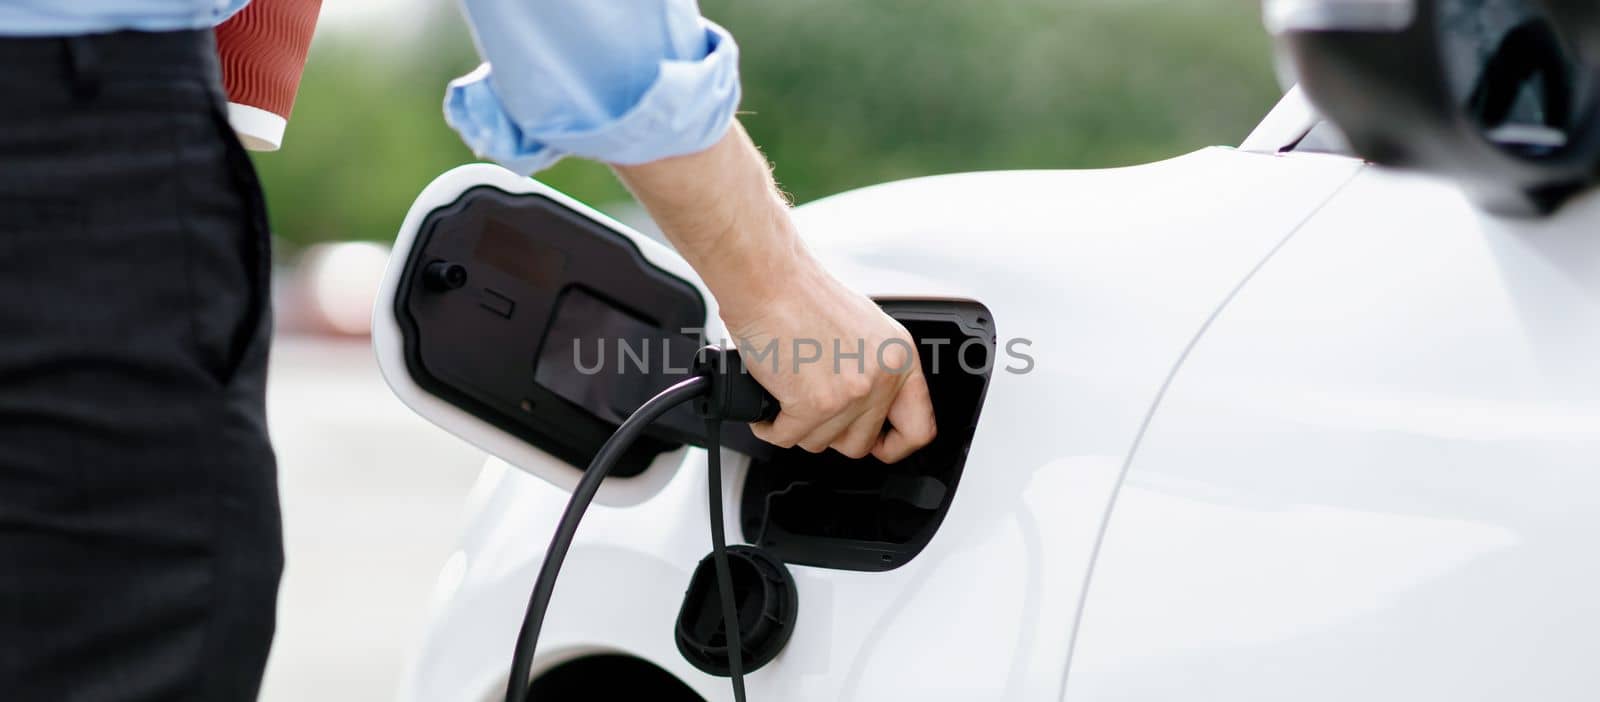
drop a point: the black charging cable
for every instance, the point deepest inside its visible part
(719, 556)
(726, 393)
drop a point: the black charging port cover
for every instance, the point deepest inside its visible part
(767, 602)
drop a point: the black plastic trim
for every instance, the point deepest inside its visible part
(829, 511)
(765, 597)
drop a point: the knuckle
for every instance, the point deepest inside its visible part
(856, 450)
(856, 386)
(895, 358)
(827, 403)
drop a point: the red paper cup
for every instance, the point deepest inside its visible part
(263, 52)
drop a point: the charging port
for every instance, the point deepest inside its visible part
(831, 511)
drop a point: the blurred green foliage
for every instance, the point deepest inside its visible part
(839, 93)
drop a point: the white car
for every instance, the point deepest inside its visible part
(1272, 422)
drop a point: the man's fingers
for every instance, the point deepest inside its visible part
(828, 432)
(784, 431)
(911, 417)
(858, 440)
(862, 436)
(848, 411)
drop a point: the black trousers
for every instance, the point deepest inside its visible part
(140, 540)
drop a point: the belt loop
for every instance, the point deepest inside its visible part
(83, 65)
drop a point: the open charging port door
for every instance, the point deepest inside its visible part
(531, 325)
(829, 511)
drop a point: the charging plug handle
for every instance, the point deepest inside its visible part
(734, 395)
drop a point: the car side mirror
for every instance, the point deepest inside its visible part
(1501, 96)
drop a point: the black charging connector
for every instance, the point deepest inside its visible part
(725, 392)
(734, 396)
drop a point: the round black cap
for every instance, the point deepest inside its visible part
(767, 602)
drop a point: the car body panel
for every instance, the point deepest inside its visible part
(1375, 477)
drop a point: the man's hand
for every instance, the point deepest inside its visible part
(725, 215)
(862, 370)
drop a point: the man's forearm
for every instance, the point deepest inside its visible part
(723, 212)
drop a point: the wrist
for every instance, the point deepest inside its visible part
(759, 264)
(721, 209)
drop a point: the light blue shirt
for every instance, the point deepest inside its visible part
(618, 81)
(60, 17)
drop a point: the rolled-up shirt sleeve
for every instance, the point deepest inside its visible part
(618, 81)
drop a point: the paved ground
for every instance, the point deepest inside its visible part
(371, 501)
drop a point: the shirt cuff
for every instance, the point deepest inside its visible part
(687, 109)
